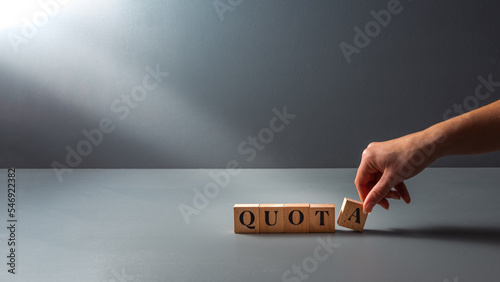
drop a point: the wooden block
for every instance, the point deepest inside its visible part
(271, 218)
(296, 218)
(246, 218)
(351, 215)
(322, 218)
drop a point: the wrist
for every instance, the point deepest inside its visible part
(434, 142)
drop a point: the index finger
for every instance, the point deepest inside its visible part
(365, 179)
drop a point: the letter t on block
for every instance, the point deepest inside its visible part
(351, 215)
(246, 218)
(322, 218)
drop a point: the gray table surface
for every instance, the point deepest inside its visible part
(125, 225)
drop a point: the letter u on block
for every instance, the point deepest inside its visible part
(271, 218)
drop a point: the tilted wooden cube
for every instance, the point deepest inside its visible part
(351, 215)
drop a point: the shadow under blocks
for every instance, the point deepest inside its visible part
(297, 218)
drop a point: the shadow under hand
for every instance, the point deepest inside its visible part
(480, 234)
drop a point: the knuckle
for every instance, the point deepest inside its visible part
(370, 150)
(357, 183)
(367, 153)
(377, 194)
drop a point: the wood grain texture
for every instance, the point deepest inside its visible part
(322, 218)
(351, 215)
(271, 218)
(296, 218)
(246, 218)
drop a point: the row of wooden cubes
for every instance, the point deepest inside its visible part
(296, 218)
(284, 218)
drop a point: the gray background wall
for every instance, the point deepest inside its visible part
(227, 73)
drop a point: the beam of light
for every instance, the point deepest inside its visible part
(78, 57)
(12, 12)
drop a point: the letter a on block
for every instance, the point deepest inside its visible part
(246, 218)
(351, 215)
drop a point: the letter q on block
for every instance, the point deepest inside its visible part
(246, 218)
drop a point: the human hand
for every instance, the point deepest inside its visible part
(386, 165)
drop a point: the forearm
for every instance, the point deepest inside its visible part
(474, 132)
(388, 164)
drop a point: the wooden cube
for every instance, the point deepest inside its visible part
(296, 218)
(246, 218)
(271, 218)
(322, 218)
(351, 215)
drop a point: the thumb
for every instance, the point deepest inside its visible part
(378, 192)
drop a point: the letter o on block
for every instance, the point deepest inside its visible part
(296, 218)
(246, 218)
